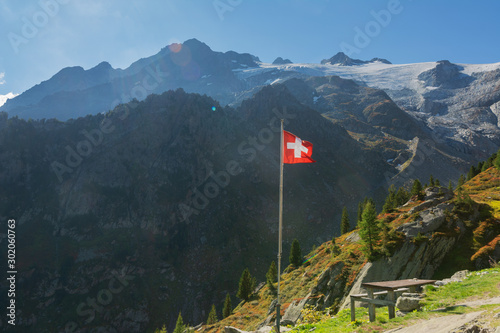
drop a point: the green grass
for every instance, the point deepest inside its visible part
(440, 301)
(481, 285)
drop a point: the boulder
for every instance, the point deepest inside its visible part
(430, 220)
(408, 302)
(294, 311)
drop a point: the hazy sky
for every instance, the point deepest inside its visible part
(38, 38)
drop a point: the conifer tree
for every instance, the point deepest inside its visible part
(402, 197)
(271, 276)
(295, 254)
(390, 200)
(228, 308)
(335, 247)
(496, 161)
(368, 230)
(360, 212)
(431, 181)
(489, 163)
(479, 167)
(461, 181)
(247, 285)
(384, 234)
(472, 172)
(179, 325)
(345, 225)
(450, 186)
(212, 316)
(417, 189)
(162, 330)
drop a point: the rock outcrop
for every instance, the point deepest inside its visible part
(408, 302)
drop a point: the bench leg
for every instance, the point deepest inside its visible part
(371, 306)
(390, 296)
(353, 309)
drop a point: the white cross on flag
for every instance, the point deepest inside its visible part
(296, 150)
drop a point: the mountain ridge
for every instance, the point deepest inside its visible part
(173, 191)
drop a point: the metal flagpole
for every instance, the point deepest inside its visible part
(278, 305)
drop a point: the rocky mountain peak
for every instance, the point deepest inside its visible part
(445, 75)
(281, 61)
(342, 59)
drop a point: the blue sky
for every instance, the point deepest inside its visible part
(86, 32)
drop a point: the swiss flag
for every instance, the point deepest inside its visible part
(296, 150)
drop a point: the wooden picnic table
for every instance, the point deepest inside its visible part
(390, 288)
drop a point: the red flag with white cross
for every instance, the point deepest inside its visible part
(296, 150)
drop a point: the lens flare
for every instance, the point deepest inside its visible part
(175, 47)
(309, 259)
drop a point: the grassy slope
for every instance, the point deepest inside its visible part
(296, 283)
(437, 302)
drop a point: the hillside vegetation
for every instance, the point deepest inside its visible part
(473, 223)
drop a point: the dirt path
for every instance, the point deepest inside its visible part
(446, 324)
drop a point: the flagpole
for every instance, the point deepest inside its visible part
(278, 305)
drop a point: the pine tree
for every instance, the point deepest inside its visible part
(247, 285)
(384, 233)
(271, 276)
(431, 181)
(162, 330)
(390, 200)
(179, 325)
(479, 167)
(345, 225)
(402, 197)
(437, 182)
(212, 316)
(489, 163)
(472, 172)
(450, 186)
(295, 254)
(417, 189)
(228, 308)
(461, 181)
(360, 212)
(496, 161)
(335, 247)
(368, 230)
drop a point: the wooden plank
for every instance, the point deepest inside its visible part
(391, 285)
(400, 290)
(353, 309)
(375, 301)
(371, 306)
(378, 293)
(392, 312)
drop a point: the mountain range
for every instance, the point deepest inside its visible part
(457, 105)
(163, 175)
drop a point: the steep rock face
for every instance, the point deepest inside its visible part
(410, 261)
(445, 75)
(419, 256)
(345, 100)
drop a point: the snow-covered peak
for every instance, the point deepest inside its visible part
(4, 98)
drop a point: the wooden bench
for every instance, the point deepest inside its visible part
(390, 288)
(371, 300)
